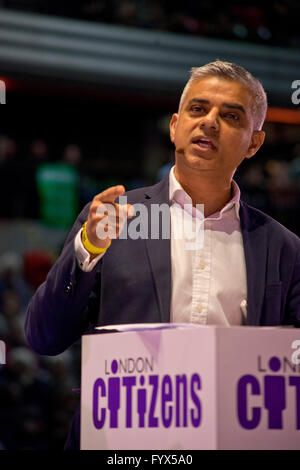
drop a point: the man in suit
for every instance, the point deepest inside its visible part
(246, 271)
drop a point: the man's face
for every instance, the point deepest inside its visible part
(214, 129)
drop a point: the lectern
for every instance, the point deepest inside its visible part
(191, 387)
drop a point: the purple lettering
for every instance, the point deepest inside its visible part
(242, 402)
(153, 420)
(98, 385)
(296, 382)
(181, 398)
(141, 403)
(166, 396)
(113, 400)
(195, 413)
(129, 382)
(274, 399)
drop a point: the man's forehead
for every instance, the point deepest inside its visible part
(215, 88)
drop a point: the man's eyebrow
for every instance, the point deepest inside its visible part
(198, 100)
(225, 105)
(234, 106)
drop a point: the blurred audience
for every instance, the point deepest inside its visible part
(37, 401)
(11, 203)
(53, 190)
(38, 154)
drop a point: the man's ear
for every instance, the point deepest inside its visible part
(257, 140)
(172, 126)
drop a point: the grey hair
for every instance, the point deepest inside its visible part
(231, 71)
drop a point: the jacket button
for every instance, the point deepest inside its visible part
(69, 289)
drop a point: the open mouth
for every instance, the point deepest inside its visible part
(204, 143)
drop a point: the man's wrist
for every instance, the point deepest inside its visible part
(93, 250)
(86, 262)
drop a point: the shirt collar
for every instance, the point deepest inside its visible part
(178, 194)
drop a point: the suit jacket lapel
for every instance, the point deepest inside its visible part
(159, 250)
(256, 250)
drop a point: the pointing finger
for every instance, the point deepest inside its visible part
(110, 194)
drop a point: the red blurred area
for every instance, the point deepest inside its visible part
(36, 267)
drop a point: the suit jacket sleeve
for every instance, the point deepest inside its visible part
(58, 313)
(293, 302)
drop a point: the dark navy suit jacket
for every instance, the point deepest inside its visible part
(132, 282)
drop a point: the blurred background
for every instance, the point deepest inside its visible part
(90, 89)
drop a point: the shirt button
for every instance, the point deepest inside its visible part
(199, 308)
(202, 265)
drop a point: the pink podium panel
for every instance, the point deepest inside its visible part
(191, 387)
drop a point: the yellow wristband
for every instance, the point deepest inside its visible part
(94, 250)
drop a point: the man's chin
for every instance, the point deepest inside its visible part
(198, 160)
(203, 153)
(195, 164)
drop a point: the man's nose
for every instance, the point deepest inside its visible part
(210, 120)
